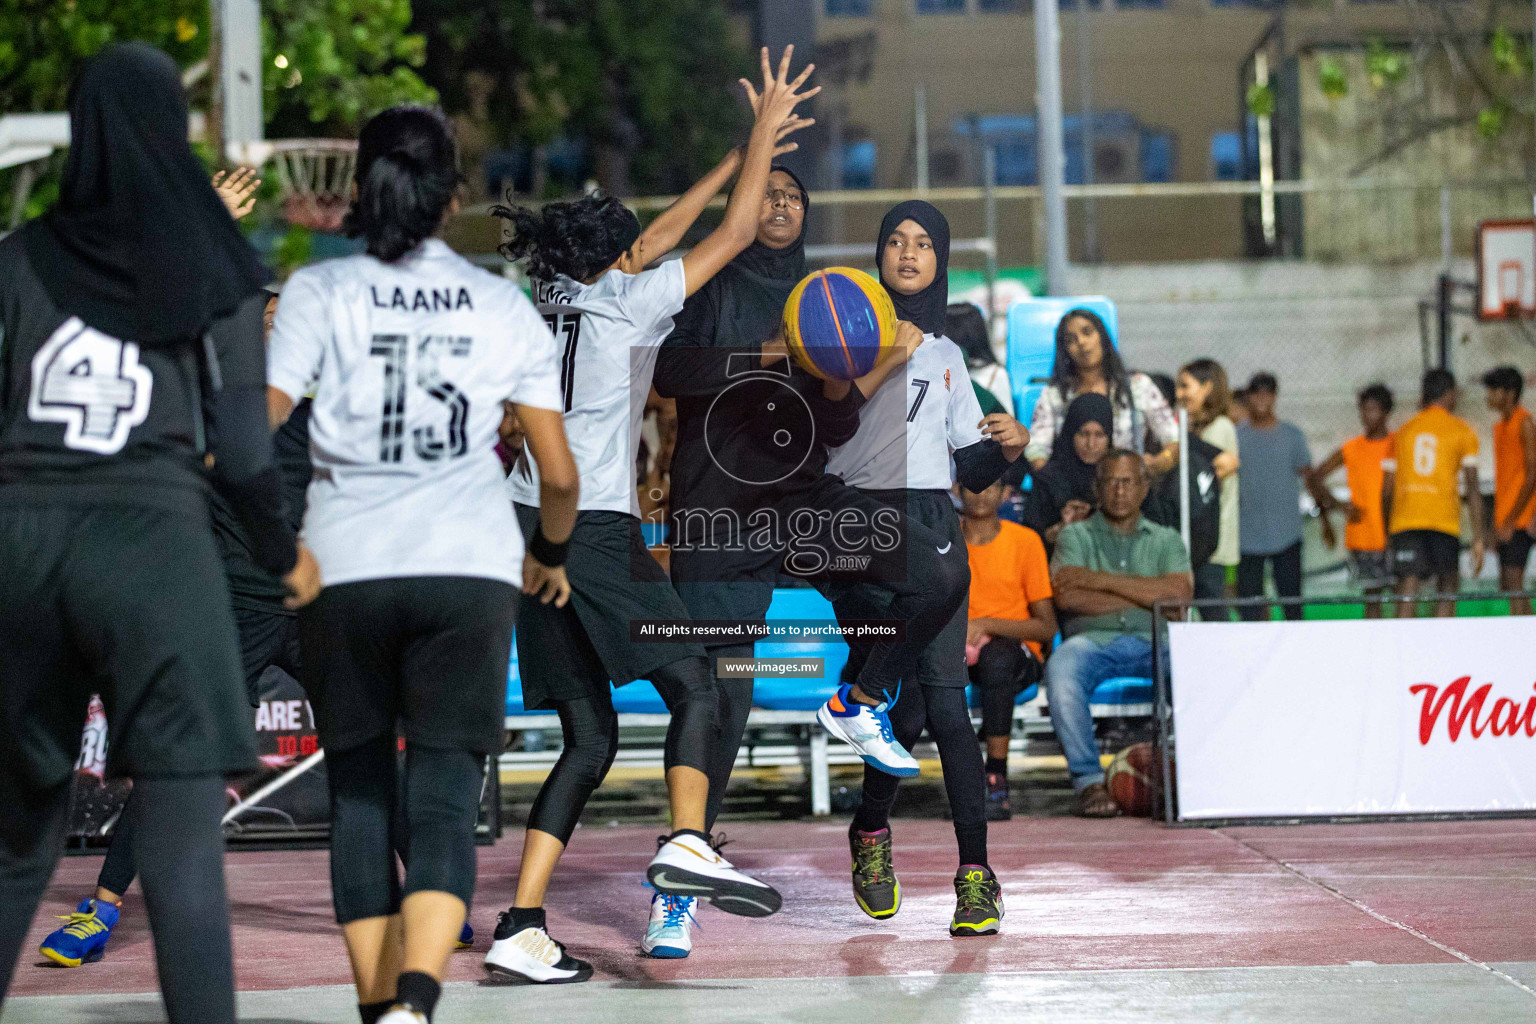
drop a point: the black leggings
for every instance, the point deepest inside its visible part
(943, 711)
(174, 824)
(439, 803)
(1002, 670)
(591, 730)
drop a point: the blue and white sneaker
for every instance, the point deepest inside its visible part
(868, 731)
(466, 937)
(83, 939)
(669, 936)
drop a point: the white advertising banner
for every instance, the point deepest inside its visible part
(1354, 717)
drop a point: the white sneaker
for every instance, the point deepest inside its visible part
(688, 866)
(868, 731)
(669, 936)
(531, 955)
(403, 1017)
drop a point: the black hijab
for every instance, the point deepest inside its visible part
(1065, 464)
(786, 264)
(926, 308)
(139, 245)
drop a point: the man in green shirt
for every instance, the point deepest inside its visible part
(1107, 572)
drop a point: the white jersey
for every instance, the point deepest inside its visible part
(609, 332)
(912, 423)
(410, 363)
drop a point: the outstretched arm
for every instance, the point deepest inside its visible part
(775, 108)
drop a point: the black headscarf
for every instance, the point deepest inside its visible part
(926, 308)
(1065, 462)
(786, 264)
(139, 245)
(1065, 476)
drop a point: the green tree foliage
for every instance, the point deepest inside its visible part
(331, 64)
(44, 42)
(646, 85)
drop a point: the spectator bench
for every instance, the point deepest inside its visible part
(788, 705)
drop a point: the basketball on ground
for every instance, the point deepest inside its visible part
(1135, 780)
(838, 323)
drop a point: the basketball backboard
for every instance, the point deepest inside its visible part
(240, 76)
(1506, 269)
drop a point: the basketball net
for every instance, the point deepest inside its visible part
(314, 178)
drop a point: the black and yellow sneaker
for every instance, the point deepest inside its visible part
(978, 901)
(874, 877)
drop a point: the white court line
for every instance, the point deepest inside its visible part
(1383, 918)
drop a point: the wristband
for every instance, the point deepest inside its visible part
(545, 551)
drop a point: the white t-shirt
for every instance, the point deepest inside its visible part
(410, 362)
(608, 332)
(912, 423)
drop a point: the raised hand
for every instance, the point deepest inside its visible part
(238, 190)
(775, 104)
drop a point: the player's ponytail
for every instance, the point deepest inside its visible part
(407, 174)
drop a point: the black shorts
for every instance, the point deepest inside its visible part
(942, 662)
(427, 652)
(267, 638)
(563, 652)
(1514, 553)
(1421, 554)
(130, 603)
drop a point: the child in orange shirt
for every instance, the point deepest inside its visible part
(1011, 618)
(1514, 479)
(1365, 531)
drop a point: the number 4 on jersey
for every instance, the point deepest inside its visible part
(93, 384)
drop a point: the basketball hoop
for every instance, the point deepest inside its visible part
(314, 178)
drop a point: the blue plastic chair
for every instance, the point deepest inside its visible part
(1123, 690)
(638, 698)
(777, 694)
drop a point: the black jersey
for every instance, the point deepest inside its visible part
(86, 417)
(89, 419)
(251, 587)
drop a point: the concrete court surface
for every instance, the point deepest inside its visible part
(1121, 920)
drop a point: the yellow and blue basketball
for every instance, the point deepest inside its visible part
(838, 323)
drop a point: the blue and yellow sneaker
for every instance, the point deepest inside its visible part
(867, 729)
(83, 940)
(466, 937)
(978, 901)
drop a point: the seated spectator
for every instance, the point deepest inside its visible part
(1011, 619)
(1088, 363)
(1107, 573)
(966, 326)
(1062, 492)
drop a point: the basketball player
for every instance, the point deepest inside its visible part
(411, 352)
(131, 319)
(749, 493)
(913, 425)
(587, 260)
(1430, 454)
